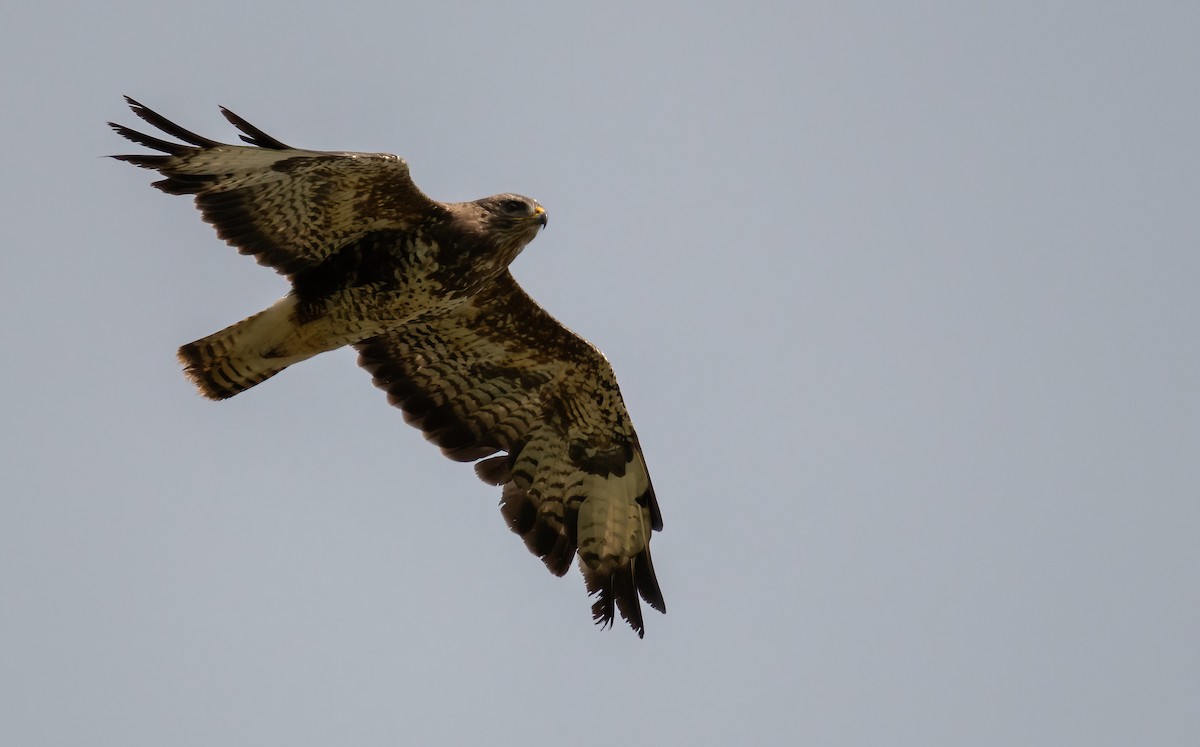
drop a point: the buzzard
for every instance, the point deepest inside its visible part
(422, 290)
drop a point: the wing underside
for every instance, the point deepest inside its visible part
(496, 381)
(289, 208)
(499, 380)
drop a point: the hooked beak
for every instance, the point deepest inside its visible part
(539, 215)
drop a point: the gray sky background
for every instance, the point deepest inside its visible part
(902, 298)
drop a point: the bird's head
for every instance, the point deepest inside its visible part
(513, 216)
(504, 224)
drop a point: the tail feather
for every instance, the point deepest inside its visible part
(241, 355)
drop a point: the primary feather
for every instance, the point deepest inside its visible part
(422, 290)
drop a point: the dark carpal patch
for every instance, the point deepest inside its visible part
(422, 290)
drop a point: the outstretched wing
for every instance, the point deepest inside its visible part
(499, 374)
(289, 208)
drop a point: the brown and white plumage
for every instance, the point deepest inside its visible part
(499, 374)
(422, 289)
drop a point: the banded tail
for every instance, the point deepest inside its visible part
(241, 355)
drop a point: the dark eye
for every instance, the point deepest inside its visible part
(513, 206)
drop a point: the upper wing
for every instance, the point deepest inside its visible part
(289, 208)
(500, 374)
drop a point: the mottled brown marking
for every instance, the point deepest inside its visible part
(422, 290)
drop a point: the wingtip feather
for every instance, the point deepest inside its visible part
(617, 590)
(252, 134)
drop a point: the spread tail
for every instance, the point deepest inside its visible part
(241, 355)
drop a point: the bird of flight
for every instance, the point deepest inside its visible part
(422, 291)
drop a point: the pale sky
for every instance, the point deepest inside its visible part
(902, 299)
